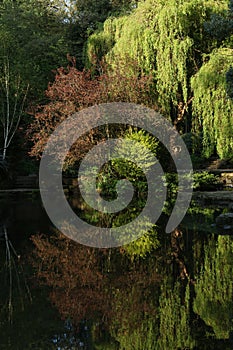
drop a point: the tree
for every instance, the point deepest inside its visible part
(165, 40)
(71, 91)
(212, 108)
(173, 44)
(74, 90)
(83, 17)
(32, 36)
(31, 45)
(220, 26)
(89, 13)
(13, 97)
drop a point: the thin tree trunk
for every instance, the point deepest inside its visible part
(12, 113)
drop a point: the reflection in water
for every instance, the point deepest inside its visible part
(174, 326)
(133, 306)
(92, 284)
(85, 275)
(14, 279)
(214, 287)
(177, 296)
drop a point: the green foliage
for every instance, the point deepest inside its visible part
(205, 181)
(120, 168)
(144, 245)
(143, 338)
(212, 108)
(174, 48)
(86, 16)
(202, 181)
(32, 44)
(208, 213)
(164, 40)
(102, 41)
(106, 346)
(144, 154)
(172, 184)
(220, 26)
(214, 287)
(128, 33)
(168, 41)
(200, 219)
(131, 327)
(97, 46)
(192, 142)
(33, 40)
(174, 331)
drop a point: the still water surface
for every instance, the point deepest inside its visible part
(57, 294)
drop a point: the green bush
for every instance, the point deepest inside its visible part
(205, 181)
(121, 168)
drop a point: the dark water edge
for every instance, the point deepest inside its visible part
(57, 294)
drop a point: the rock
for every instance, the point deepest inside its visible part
(225, 221)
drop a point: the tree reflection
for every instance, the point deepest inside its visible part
(14, 284)
(174, 328)
(134, 326)
(214, 287)
(144, 304)
(96, 285)
(19, 328)
(73, 273)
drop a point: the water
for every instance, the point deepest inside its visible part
(57, 294)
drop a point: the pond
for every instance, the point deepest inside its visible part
(58, 294)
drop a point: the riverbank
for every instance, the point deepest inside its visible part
(220, 198)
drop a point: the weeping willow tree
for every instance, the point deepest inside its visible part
(180, 42)
(166, 39)
(102, 41)
(212, 106)
(132, 37)
(214, 287)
